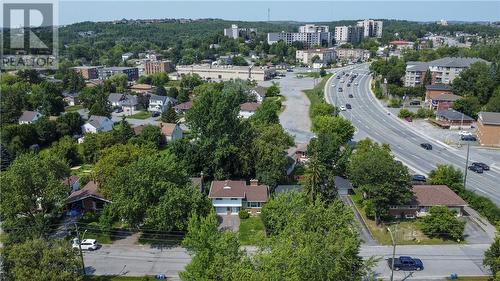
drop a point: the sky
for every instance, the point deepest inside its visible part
(72, 11)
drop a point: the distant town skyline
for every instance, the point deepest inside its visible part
(305, 11)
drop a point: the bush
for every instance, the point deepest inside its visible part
(405, 113)
(441, 222)
(322, 108)
(482, 205)
(243, 214)
(424, 113)
(322, 72)
(394, 103)
(377, 90)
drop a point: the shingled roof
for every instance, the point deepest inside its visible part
(238, 189)
(435, 195)
(89, 190)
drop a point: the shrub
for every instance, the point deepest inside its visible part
(322, 108)
(394, 103)
(441, 222)
(424, 113)
(243, 214)
(377, 90)
(405, 113)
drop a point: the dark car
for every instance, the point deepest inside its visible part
(155, 114)
(348, 106)
(476, 169)
(427, 146)
(338, 77)
(418, 178)
(468, 138)
(118, 110)
(482, 165)
(415, 102)
(406, 263)
(348, 84)
(340, 90)
(351, 96)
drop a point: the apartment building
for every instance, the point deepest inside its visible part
(227, 72)
(131, 72)
(153, 66)
(87, 72)
(236, 32)
(312, 28)
(348, 34)
(415, 72)
(371, 28)
(354, 55)
(326, 56)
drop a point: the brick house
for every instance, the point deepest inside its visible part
(453, 119)
(488, 128)
(229, 197)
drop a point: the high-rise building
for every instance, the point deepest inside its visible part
(372, 28)
(348, 34)
(309, 34)
(312, 28)
(235, 32)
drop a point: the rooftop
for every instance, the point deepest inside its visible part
(91, 189)
(435, 195)
(489, 118)
(97, 121)
(238, 189)
(443, 97)
(453, 115)
(28, 116)
(455, 61)
(249, 106)
(167, 129)
(438, 87)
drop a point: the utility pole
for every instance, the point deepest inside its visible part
(466, 164)
(393, 249)
(80, 249)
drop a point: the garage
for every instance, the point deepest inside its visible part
(221, 210)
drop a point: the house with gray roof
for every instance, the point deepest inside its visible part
(29, 117)
(453, 119)
(160, 103)
(97, 124)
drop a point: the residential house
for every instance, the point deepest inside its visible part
(29, 117)
(73, 183)
(439, 97)
(248, 109)
(129, 105)
(436, 89)
(97, 124)
(309, 57)
(171, 131)
(488, 128)
(115, 99)
(427, 196)
(453, 119)
(259, 93)
(229, 197)
(126, 56)
(142, 88)
(343, 185)
(71, 99)
(87, 199)
(183, 107)
(160, 103)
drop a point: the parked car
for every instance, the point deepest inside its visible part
(468, 138)
(426, 145)
(406, 263)
(476, 169)
(351, 96)
(418, 178)
(482, 165)
(342, 108)
(118, 110)
(465, 133)
(409, 119)
(415, 102)
(348, 106)
(289, 70)
(86, 245)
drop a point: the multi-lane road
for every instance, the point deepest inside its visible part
(372, 120)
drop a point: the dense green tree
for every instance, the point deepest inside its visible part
(322, 108)
(314, 178)
(40, 260)
(32, 197)
(5, 158)
(469, 105)
(150, 135)
(183, 95)
(494, 103)
(160, 91)
(70, 124)
(273, 90)
(159, 79)
(447, 175)
(46, 130)
(334, 124)
(13, 101)
(267, 112)
(492, 258)
(66, 149)
(123, 132)
(96, 100)
(169, 115)
(116, 83)
(94, 143)
(238, 60)
(29, 75)
(191, 81)
(73, 81)
(47, 98)
(18, 138)
(385, 182)
(477, 81)
(173, 92)
(442, 222)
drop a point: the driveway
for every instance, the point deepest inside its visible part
(230, 222)
(295, 118)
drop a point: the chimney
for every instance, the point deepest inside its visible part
(226, 186)
(254, 182)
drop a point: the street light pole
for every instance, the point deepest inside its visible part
(466, 164)
(80, 248)
(393, 250)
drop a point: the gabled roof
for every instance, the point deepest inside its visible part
(89, 190)
(130, 100)
(28, 116)
(259, 90)
(455, 62)
(417, 66)
(453, 115)
(249, 106)
(167, 129)
(489, 118)
(435, 195)
(97, 121)
(115, 97)
(71, 180)
(438, 87)
(238, 189)
(184, 106)
(443, 97)
(162, 99)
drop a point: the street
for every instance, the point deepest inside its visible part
(372, 120)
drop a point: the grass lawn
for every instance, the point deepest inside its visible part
(251, 231)
(73, 108)
(408, 232)
(140, 115)
(473, 278)
(118, 278)
(316, 94)
(312, 74)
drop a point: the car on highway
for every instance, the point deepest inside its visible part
(476, 169)
(348, 84)
(426, 145)
(351, 96)
(348, 106)
(356, 84)
(341, 81)
(342, 108)
(418, 178)
(338, 76)
(405, 263)
(482, 165)
(340, 90)
(468, 138)
(86, 245)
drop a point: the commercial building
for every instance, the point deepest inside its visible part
(236, 32)
(488, 128)
(354, 55)
(87, 72)
(312, 28)
(371, 28)
(348, 34)
(153, 66)
(453, 119)
(326, 56)
(227, 72)
(131, 72)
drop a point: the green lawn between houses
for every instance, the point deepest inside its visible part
(251, 231)
(140, 115)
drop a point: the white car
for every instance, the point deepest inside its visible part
(465, 133)
(356, 84)
(342, 108)
(341, 81)
(86, 245)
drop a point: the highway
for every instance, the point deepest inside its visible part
(372, 120)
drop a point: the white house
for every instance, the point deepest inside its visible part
(115, 99)
(259, 93)
(248, 109)
(159, 103)
(171, 131)
(97, 124)
(29, 117)
(229, 197)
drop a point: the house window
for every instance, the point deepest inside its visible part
(234, 198)
(253, 204)
(217, 199)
